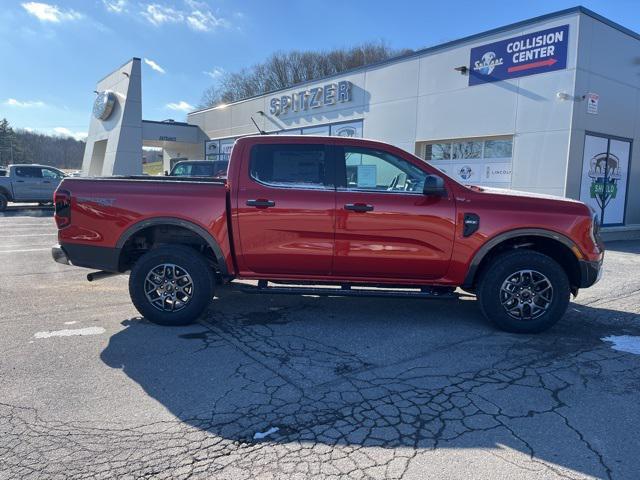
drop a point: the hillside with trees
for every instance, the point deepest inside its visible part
(284, 69)
(22, 146)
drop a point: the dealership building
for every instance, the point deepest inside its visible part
(547, 105)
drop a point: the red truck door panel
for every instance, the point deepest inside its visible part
(385, 226)
(286, 210)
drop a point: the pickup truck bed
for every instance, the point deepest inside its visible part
(332, 211)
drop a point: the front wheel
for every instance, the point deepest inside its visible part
(523, 291)
(171, 285)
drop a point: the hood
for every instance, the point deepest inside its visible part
(518, 193)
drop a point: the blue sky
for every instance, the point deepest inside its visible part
(53, 52)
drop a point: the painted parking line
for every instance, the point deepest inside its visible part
(18, 225)
(30, 235)
(26, 250)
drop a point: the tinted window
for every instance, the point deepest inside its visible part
(305, 166)
(368, 169)
(182, 170)
(201, 169)
(29, 172)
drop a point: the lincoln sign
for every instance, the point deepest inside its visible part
(537, 52)
(316, 97)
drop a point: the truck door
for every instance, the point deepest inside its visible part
(385, 226)
(26, 182)
(286, 210)
(50, 180)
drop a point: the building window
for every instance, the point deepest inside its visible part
(472, 161)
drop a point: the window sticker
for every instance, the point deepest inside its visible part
(367, 176)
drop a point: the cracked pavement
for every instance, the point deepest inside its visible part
(356, 387)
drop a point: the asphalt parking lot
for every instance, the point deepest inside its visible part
(280, 387)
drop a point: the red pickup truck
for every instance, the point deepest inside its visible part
(332, 216)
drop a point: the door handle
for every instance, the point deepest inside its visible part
(46, 181)
(19, 181)
(358, 207)
(261, 203)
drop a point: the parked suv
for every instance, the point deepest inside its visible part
(313, 212)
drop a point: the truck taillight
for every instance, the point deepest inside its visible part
(62, 201)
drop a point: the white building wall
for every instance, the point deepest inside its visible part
(608, 66)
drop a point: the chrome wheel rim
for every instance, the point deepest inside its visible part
(526, 294)
(168, 287)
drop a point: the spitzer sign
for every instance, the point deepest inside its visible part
(536, 52)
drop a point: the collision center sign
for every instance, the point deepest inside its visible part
(537, 52)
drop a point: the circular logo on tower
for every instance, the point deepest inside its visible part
(103, 105)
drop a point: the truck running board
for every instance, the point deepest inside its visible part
(353, 291)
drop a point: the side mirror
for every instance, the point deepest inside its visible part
(166, 173)
(434, 186)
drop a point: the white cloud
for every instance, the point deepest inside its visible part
(154, 65)
(12, 102)
(197, 16)
(215, 72)
(158, 14)
(65, 132)
(205, 21)
(115, 6)
(181, 106)
(46, 12)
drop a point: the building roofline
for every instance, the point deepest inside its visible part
(179, 124)
(443, 46)
(118, 68)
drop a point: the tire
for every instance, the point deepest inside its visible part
(520, 302)
(155, 271)
(3, 202)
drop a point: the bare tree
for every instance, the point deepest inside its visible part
(284, 69)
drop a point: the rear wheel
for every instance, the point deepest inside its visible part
(523, 292)
(171, 285)
(3, 202)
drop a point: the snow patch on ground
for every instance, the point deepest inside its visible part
(70, 332)
(624, 343)
(261, 435)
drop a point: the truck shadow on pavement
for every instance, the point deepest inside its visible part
(30, 211)
(315, 376)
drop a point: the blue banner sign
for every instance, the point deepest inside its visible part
(528, 54)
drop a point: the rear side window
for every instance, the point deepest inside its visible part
(300, 166)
